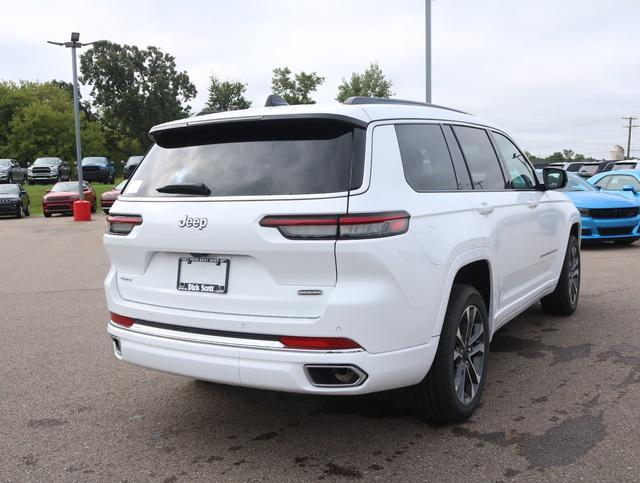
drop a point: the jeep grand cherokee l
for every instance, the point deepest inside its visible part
(337, 249)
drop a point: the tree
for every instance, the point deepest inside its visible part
(568, 154)
(85, 106)
(41, 123)
(295, 90)
(133, 89)
(371, 82)
(226, 96)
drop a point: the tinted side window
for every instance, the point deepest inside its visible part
(462, 172)
(481, 158)
(519, 173)
(425, 157)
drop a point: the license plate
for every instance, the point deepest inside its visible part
(203, 274)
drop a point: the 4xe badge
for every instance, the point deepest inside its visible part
(189, 222)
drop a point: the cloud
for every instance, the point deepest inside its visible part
(554, 74)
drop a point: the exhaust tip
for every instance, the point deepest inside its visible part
(116, 347)
(335, 375)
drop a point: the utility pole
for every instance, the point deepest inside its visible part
(427, 48)
(630, 126)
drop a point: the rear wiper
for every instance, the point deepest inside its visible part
(185, 189)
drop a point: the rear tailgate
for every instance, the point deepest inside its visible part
(253, 170)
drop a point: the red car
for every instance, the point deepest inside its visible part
(60, 198)
(108, 197)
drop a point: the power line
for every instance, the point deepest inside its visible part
(629, 127)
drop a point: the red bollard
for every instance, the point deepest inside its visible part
(81, 210)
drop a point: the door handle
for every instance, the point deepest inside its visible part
(485, 209)
(532, 203)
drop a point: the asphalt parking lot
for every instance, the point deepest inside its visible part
(561, 402)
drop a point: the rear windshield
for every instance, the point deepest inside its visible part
(255, 158)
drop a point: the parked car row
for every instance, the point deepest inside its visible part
(14, 199)
(588, 169)
(54, 169)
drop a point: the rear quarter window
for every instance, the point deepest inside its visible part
(425, 158)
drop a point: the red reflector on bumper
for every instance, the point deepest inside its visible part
(121, 320)
(318, 343)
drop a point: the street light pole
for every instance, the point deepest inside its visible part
(73, 45)
(427, 48)
(76, 114)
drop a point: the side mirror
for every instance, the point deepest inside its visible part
(629, 187)
(554, 178)
(48, 191)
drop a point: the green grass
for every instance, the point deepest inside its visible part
(36, 192)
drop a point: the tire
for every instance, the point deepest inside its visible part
(93, 208)
(448, 393)
(625, 241)
(47, 214)
(27, 212)
(20, 212)
(564, 299)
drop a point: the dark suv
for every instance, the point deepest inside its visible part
(49, 170)
(14, 200)
(99, 169)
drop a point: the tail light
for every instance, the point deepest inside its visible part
(318, 343)
(121, 320)
(123, 224)
(339, 227)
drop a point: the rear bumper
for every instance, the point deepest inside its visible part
(603, 229)
(273, 369)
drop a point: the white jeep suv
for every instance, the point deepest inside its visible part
(336, 249)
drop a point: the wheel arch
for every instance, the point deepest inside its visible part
(472, 268)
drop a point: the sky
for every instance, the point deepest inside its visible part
(554, 74)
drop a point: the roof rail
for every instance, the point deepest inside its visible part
(356, 100)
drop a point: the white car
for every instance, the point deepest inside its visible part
(336, 249)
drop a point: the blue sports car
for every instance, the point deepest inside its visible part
(605, 216)
(625, 182)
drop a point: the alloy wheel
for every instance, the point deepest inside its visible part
(574, 274)
(469, 355)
